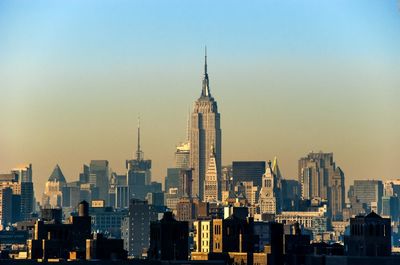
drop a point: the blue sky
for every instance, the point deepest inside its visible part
(289, 77)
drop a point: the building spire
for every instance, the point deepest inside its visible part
(206, 88)
(139, 153)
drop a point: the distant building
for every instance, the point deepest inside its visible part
(135, 228)
(107, 221)
(205, 131)
(6, 207)
(390, 207)
(270, 194)
(369, 236)
(320, 178)
(248, 171)
(20, 182)
(291, 193)
(182, 155)
(99, 174)
(169, 239)
(211, 181)
(138, 172)
(53, 191)
(369, 192)
(186, 209)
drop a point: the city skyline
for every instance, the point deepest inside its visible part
(339, 98)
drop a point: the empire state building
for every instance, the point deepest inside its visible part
(205, 137)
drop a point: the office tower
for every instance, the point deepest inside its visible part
(71, 194)
(24, 173)
(270, 194)
(205, 131)
(336, 194)
(179, 179)
(52, 196)
(226, 178)
(172, 180)
(390, 207)
(269, 235)
(84, 176)
(211, 187)
(121, 197)
(169, 239)
(6, 207)
(248, 171)
(99, 177)
(138, 172)
(320, 178)
(369, 236)
(369, 192)
(136, 227)
(291, 193)
(182, 155)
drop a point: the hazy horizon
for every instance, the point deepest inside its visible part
(289, 77)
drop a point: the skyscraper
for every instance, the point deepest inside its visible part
(99, 176)
(53, 196)
(138, 172)
(320, 178)
(205, 131)
(369, 192)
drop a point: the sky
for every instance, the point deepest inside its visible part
(289, 77)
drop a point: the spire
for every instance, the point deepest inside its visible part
(206, 88)
(139, 153)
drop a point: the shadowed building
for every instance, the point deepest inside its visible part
(169, 239)
(369, 236)
(52, 239)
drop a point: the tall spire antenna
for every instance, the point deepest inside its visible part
(205, 60)
(138, 151)
(205, 92)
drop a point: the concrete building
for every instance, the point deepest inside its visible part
(182, 155)
(205, 131)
